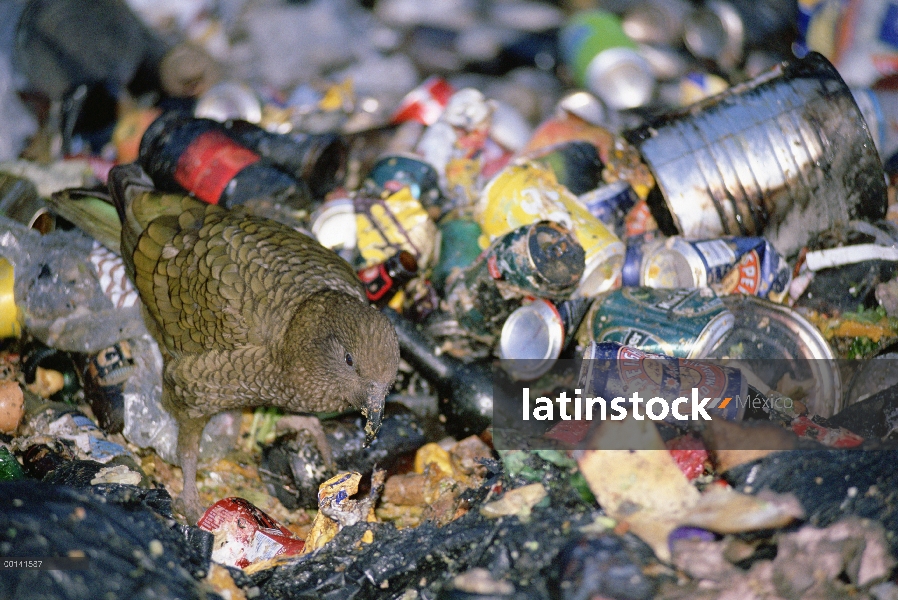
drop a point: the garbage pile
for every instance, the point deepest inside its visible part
(506, 300)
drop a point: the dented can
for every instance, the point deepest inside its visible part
(534, 335)
(610, 204)
(611, 369)
(527, 192)
(395, 171)
(686, 323)
(729, 265)
(541, 260)
(786, 154)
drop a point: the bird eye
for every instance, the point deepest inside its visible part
(348, 359)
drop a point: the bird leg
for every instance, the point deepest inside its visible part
(311, 424)
(189, 431)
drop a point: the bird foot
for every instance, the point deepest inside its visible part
(313, 426)
(188, 507)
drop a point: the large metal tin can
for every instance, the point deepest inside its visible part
(786, 154)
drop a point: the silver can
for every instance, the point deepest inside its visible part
(786, 155)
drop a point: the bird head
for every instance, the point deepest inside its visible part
(349, 350)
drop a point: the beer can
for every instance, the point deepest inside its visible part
(740, 265)
(785, 155)
(610, 203)
(542, 259)
(524, 193)
(610, 369)
(768, 335)
(394, 171)
(534, 335)
(686, 323)
(576, 165)
(605, 60)
(397, 222)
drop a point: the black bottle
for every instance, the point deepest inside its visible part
(183, 153)
(465, 389)
(319, 160)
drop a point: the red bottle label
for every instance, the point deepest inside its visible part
(209, 163)
(377, 282)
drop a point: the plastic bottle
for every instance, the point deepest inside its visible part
(184, 153)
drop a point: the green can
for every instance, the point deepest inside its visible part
(541, 260)
(685, 323)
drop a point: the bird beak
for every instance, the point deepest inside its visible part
(374, 411)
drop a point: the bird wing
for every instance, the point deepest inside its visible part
(217, 279)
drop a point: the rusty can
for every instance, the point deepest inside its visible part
(526, 192)
(687, 323)
(541, 259)
(785, 155)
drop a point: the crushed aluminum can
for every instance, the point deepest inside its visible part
(686, 323)
(542, 259)
(605, 60)
(459, 247)
(769, 332)
(729, 265)
(785, 155)
(610, 369)
(244, 534)
(526, 192)
(534, 335)
(425, 103)
(395, 171)
(610, 204)
(385, 226)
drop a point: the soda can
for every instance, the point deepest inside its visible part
(396, 222)
(534, 335)
(610, 203)
(638, 246)
(542, 259)
(19, 200)
(524, 193)
(729, 265)
(605, 60)
(245, 534)
(395, 171)
(686, 323)
(786, 155)
(425, 103)
(610, 369)
(880, 110)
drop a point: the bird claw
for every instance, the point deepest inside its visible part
(189, 508)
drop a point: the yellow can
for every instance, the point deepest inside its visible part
(524, 193)
(10, 317)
